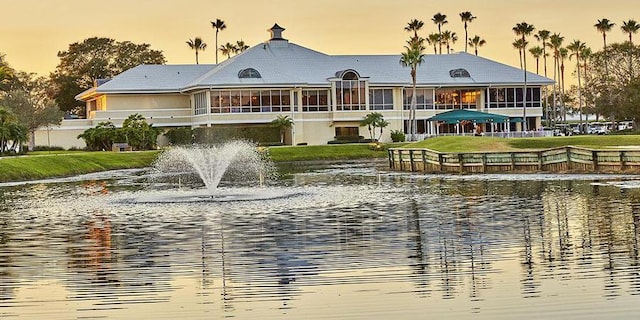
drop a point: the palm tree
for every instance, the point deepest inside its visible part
(543, 36)
(604, 26)
(241, 46)
(413, 57)
(537, 52)
(434, 40)
(563, 54)
(524, 29)
(576, 48)
(466, 18)
(219, 26)
(414, 26)
(555, 43)
(449, 37)
(439, 19)
(630, 27)
(228, 49)
(476, 42)
(520, 45)
(282, 123)
(197, 45)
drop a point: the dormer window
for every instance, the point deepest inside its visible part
(459, 73)
(249, 73)
(351, 91)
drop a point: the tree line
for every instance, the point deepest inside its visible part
(607, 80)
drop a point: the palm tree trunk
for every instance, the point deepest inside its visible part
(555, 95)
(466, 37)
(412, 113)
(524, 94)
(476, 50)
(216, 45)
(197, 62)
(579, 92)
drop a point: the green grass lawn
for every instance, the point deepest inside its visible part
(42, 166)
(471, 143)
(327, 152)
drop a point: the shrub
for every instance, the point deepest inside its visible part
(48, 148)
(397, 136)
(180, 136)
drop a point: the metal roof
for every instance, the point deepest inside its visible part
(282, 63)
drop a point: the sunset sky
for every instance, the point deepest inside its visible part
(33, 31)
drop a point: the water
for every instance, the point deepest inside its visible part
(240, 160)
(338, 242)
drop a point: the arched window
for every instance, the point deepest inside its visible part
(459, 73)
(351, 91)
(249, 73)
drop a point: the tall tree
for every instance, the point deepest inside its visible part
(603, 26)
(412, 57)
(6, 74)
(537, 52)
(520, 45)
(449, 38)
(576, 48)
(543, 36)
(630, 27)
(434, 39)
(439, 19)
(197, 45)
(30, 102)
(92, 59)
(555, 44)
(219, 25)
(414, 26)
(476, 42)
(466, 18)
(524, 30)
(563, 54)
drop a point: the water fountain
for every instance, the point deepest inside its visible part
(241, 162)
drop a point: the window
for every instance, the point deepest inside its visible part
(347, 132)
(424, 98)
(315, 100)
(448, 99)
(380, 99)
(512, 98)
(245, 101)
(200, 103)
(459, 73)
(249, 73)
(350, 92)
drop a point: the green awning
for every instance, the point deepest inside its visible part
(455, 116)
(514, 120)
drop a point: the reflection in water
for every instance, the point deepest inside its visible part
(351, 244)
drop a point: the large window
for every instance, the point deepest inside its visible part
(380, 99)
(424, 98)
(457, 99)
(200, 103)
(315, 100)
(512, 98)
(236, 101)
(350, 93)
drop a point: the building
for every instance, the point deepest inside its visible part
(325, 95)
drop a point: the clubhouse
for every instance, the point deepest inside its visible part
(326, 96)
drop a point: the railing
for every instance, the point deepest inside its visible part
(514, 134)
(565, 159)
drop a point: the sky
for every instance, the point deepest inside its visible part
(32, 32)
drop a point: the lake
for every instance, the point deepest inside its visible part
(341, 241)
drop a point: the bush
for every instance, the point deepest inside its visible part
(180, 136)
(397, 136)
(48, 148)
(262, 135)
